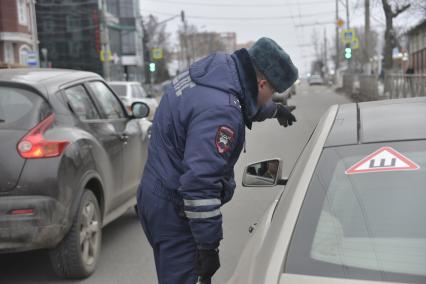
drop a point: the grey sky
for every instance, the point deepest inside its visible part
(252, 19)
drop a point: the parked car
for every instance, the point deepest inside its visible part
(315, 79)
(70, 162)
(352, 210)
(130, 92)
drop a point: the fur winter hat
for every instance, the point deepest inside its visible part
(273, 62)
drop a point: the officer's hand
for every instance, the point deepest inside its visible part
(284, 115)
(207, 262)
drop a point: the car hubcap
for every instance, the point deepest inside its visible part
(89, 233)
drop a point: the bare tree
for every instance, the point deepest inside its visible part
(361, 56)
(392, 10)
(420, 5)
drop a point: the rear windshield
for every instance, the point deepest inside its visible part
(138, 92)
(119, 90)
(364, 215)
(21, 109)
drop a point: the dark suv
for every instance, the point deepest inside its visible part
(70, 163)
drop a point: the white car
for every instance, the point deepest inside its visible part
(352, 210)
(130, 92)
(315, 79)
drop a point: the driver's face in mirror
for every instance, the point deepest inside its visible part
(271, 169)
(262, 174)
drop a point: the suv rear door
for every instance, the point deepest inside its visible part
(20, 111)
(109, 155)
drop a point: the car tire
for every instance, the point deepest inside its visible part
(76, 256)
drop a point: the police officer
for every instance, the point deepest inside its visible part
(197, 136)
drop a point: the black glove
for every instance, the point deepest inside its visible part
(207, 263)
(284, 115)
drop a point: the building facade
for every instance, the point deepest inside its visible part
(104, 37)
(18, 33)
(417, 48)
(201, 44)
(229, 41)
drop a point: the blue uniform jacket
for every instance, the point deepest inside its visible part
(198, 134)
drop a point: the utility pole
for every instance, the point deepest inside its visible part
(367, 36)
(348, 26)
(34, 30)
(347, 15)
(325, 53)
(185, 29)
(105, 41)
(336, 65)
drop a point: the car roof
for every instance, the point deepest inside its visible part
(45, 81)
(379, 121)
(123, 82)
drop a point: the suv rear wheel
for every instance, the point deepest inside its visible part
(77, 254)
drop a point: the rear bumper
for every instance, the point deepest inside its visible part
(42, 229)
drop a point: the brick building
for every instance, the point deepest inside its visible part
(18, 33)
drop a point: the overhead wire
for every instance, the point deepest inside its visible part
(239, 18)
(245, 5)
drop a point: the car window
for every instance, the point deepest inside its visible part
(359, 221)
(21, 109)
(138, 92)
(119, 90)
(80, 103)
(109, 104)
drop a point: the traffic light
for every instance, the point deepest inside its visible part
(152, 67)
(348, 52)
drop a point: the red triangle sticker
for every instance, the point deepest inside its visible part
(385, 159)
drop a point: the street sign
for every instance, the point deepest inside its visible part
(32, 58)
(355, 43)
(340, 23)
(157, 53)
(348, 35)
(106, 56)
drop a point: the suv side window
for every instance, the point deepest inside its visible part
(80, 103)
(109, 104)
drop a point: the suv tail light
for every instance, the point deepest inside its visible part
(35, 146)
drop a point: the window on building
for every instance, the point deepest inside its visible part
(23, 54)
(127, 9)
(128, 45)
(114, 41)
(22, 12)
(112, 7)
(9, 53)
(73, 22)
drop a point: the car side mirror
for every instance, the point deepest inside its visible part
(140, 110)
(264, 174)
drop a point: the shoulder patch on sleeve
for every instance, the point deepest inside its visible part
(225, 137)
